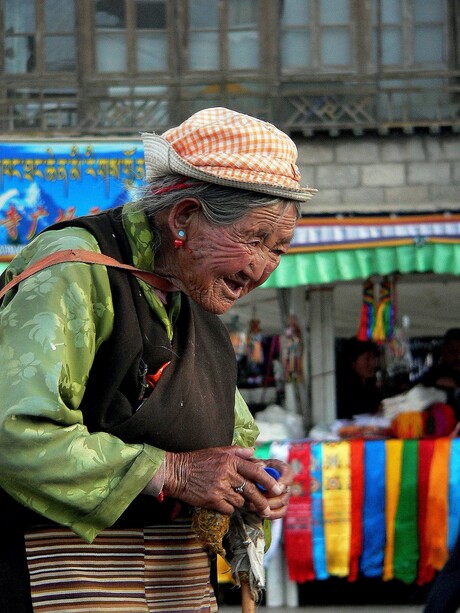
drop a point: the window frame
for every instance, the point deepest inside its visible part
(40, 36)
(223, 69)
(131, 51)
(408, 27)
(316, 28)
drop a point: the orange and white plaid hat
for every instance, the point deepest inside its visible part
(229, 148)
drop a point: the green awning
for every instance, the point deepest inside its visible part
(320, 267)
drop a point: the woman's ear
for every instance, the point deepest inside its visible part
(183, 214)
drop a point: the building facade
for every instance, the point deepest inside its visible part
(368, 89)
(114, 67)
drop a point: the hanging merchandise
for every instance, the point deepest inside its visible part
(273, 370)
(254, 350)
(394, 503)
(366, 321)
(238, 337)
(382, 329)
(292, 351)
(251, 365)
(398, 355)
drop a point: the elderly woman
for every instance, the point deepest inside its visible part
(120, 415)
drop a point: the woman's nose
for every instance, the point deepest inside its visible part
(261, 265)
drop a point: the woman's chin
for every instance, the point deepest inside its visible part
(217, 305)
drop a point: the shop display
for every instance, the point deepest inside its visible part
(292, 351)
(387, 509)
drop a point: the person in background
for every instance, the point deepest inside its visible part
(358, 391)
(120, 417)
(445, 374)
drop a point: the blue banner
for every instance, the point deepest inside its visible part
(49, 181)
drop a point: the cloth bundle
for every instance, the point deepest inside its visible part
(380, 508)
(437, 420)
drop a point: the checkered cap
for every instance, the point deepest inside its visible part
(229, 148)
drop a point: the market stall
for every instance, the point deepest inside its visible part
(367, 509)
(385, 508)
(321, 281)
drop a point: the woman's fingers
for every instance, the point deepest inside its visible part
(226, 478)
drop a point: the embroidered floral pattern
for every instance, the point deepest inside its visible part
(50, 329)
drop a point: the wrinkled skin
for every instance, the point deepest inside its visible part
(207, 479)
(216, 266)
(220, 264)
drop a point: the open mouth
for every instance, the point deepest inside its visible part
(236, 289)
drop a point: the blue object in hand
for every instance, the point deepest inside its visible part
(273, 473)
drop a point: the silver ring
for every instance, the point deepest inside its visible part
(240, 488)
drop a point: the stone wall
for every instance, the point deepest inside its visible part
(382, 173)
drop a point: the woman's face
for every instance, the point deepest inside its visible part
(223, 263)
(365, 365)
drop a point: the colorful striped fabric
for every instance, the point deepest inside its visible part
(454, 493)
(160, 568)
(396, 519)
(373, 511)
(357, 497)
(297, 522)
(426, 450)
(337, 507)
(406, 546)
(392, 483)
(438, 501)
(319, 545)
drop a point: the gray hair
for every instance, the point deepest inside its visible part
(221, 205)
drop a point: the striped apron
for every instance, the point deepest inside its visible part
(129, 570)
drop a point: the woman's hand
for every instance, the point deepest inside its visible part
(278, 502)
(224, 479)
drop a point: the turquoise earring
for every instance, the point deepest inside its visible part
(180, 242)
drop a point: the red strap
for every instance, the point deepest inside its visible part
(87, 257)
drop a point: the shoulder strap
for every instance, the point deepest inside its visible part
(87, 257)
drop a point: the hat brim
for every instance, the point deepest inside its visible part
(161, 159)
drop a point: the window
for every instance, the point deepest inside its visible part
(203, 35)
(59, 41)
(151, 35)
(242, 34)
(296, 37)
(316, 34)
(223, 35)
(131, 36)
(429, 39)
(39, 36)
(20, 39)
(111, 39)
(409, 33)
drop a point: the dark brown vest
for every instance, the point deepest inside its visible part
(192, 406)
